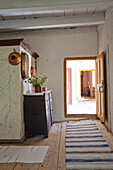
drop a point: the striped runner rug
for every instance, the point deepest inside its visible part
(86, 149)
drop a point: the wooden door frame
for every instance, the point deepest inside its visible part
(70, 84)
(65, 90)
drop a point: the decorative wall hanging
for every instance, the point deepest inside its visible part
(14, 58)
(35, 66)
(25, 65)
(32, 71)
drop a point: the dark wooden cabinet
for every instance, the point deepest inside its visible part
(38, 113)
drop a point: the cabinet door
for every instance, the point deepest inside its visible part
(35, 118)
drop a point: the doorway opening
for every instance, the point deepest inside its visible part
(79, 87)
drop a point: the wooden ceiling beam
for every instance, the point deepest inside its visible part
(52, 22)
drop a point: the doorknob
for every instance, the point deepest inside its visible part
(101, 88)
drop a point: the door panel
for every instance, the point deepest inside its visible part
(100, 87)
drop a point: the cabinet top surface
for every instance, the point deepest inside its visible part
(37, 94)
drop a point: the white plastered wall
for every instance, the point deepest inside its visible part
(11, 112)
(53, 46)
(105, 43)
(12, 88)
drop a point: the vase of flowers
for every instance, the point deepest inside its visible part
(38, 89)
(38, 81)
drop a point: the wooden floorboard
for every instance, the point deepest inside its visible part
(61, 158)
(55, 158)
(24, 166)
(50, 162)
(108, 136)
(7, 166)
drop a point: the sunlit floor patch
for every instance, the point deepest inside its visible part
(82, 106)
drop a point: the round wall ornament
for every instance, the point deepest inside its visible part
(14, 58)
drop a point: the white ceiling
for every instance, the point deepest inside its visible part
(9, 4)
(75, 14)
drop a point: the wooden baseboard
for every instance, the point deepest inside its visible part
(13, 140)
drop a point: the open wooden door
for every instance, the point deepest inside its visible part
(100, 87)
